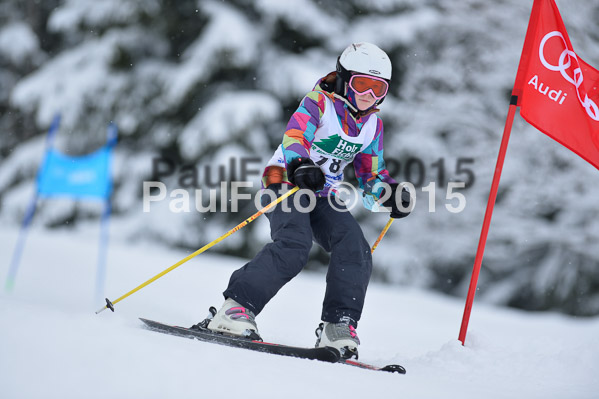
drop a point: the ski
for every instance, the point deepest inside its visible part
(326, 354)
(392, 368)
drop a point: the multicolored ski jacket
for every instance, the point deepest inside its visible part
(324, 129)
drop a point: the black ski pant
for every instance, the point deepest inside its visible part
(292, 233)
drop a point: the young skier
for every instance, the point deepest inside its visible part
(335, 124)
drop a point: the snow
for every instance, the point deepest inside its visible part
(25, 160)
(207, 82)
(302, 15)
(305, 69)
(53, 345)
(98, 14)
(88, 75)
(399, 29)
(229, 116)
(18, 42)
(228, 38)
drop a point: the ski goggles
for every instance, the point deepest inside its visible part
(363, 84)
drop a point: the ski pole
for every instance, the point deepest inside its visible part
(376, 243)
(110, 305)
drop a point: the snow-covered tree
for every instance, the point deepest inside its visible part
(203, 82)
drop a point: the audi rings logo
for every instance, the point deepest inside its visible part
(565, 62)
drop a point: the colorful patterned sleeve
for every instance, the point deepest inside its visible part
(299, 134)
(370, 165)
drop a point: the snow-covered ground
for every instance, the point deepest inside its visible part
(53, 345)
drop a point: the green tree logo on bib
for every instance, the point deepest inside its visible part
(337, 147)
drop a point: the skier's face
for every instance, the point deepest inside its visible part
(364, 101)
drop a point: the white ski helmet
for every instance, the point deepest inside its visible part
(366, 58)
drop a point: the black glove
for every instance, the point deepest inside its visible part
(391, 202)
(303, 173)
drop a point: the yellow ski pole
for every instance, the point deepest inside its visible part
(110, 305)
(376, 243)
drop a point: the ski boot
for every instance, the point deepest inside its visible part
(232, 319)
(341, 336)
